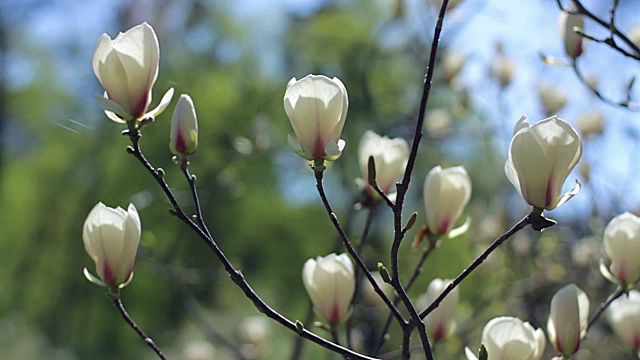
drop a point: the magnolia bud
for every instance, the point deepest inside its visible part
(446, 194)
(511, 338)
(111, 238)
(502, 68)
(199, 350)
(390, 157)
(440, 322)
(552, 98)
(590, 123)
(624, 317)
(330, 283)
(568, 23)
(317, 109)
(184, 128)
(540, 159)
(568, 318)
(438, 122)
(453, 64)
(127, 68)
(622, 245)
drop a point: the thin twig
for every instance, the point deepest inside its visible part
(361, 242)
(118, 304)
(318, 170)
(619, 292)
(608, 25)
(479, 260)
(191, 179)
(211, 330)
(298, 343)
(626, 103)
(403, 186)
(236, 276)
(416, 273)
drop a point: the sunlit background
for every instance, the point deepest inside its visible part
(60, 155)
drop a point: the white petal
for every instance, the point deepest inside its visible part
(162, 106)
(111, 106)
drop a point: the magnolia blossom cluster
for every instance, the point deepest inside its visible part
(540, 158)
(127, 68)
(511, 338)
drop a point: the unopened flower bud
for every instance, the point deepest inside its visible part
(552, 98)
(540, 159)
(568, 24)
(591, 123)
(317, 109)
(330, 283)
(453, 64)
(111, 238)
(502, 68)
(440, 322)
(184, 128)
(438, 122)
(568, 319)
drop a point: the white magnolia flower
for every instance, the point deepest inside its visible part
(390, 157)
(127, 68)
(317, 108)
(624, 317)
(540, 159)
(568, 319)
(622, 245)
(446, 194)
(511, 338)
(111, 237)
(440, 322)
(330, 283)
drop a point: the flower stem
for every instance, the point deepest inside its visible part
(416, 272)
(191, 179)
(115, 296)
(319, 171)
(616, 294)
(479, 260)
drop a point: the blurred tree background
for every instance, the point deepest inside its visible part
(61, 155)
